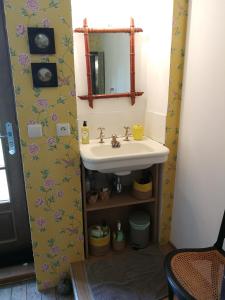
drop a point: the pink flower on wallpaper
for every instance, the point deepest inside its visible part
(54, 117)
(31, 122)
(33, 5)
(45, 22)
(72, 230)
(42, 102)
(64, 80)
(69, 162)
(58, 215)
(49, 183)
(41, 223)
(51, 141)
(81, 237)
(45, 267)
(39, 202)
(64, 258)
(60, 194)
(55, 249)
(23, 59)
(77, 172)
(47, 284)
(73, 93)
(33, 149)
(20, 30)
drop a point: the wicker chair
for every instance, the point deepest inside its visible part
(197, 273)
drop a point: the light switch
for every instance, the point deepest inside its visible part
(34, 130)
(63, 129)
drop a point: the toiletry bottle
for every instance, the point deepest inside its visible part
(85, 133)
(137, 132)
(118, 235)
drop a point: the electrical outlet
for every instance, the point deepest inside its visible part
(63, 129)
(34, 130)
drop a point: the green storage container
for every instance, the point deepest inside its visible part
(139, 229)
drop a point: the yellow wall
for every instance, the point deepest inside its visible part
(51, 164)
(173, 114)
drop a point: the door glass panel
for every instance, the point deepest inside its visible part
(2, 163)
(4, 191)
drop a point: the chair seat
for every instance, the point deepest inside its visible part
(200, 273)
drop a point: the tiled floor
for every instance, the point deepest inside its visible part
(28, 291)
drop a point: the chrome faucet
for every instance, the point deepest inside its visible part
(126, 136)
(101, 135)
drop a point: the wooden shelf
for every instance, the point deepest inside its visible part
(117, 201)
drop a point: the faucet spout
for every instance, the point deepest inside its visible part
(101, 135)
(114, 142)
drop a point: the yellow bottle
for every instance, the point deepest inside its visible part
(85, 133)
(138, 132)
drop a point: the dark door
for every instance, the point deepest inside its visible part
(15, 241)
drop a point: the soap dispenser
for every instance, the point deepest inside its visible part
(85, 133)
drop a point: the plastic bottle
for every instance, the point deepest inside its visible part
(119, 235)
(85, 133)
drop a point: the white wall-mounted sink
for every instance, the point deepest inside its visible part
(132, 155)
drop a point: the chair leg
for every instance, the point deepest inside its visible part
(170, 292)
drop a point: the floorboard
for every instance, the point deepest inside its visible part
(28, 291)
(19, 291)
(32, 292)
(5, 293)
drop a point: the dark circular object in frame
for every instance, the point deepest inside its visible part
(44, 75)
(41, 41)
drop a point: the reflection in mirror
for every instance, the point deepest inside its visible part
(110, 62)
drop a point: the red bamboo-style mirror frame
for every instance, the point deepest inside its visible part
(90, 97)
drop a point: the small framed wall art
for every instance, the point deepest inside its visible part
(44, 74)
(41, 40)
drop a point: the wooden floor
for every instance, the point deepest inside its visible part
(28, 291)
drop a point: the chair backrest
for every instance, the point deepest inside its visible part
(221, 236)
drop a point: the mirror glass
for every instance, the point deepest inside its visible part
(110, 62)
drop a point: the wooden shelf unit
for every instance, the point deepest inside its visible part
(120, 200)
(119, 207)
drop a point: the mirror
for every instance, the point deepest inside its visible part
(110, 62)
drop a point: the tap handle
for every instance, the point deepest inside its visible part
(126, 136)
(101, 129)
(101, 134)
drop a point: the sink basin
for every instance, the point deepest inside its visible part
(132, 155)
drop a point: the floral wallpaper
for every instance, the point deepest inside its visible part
(50, 163)
(180, 14)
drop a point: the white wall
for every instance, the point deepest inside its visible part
(200, 180)
(152, 64)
